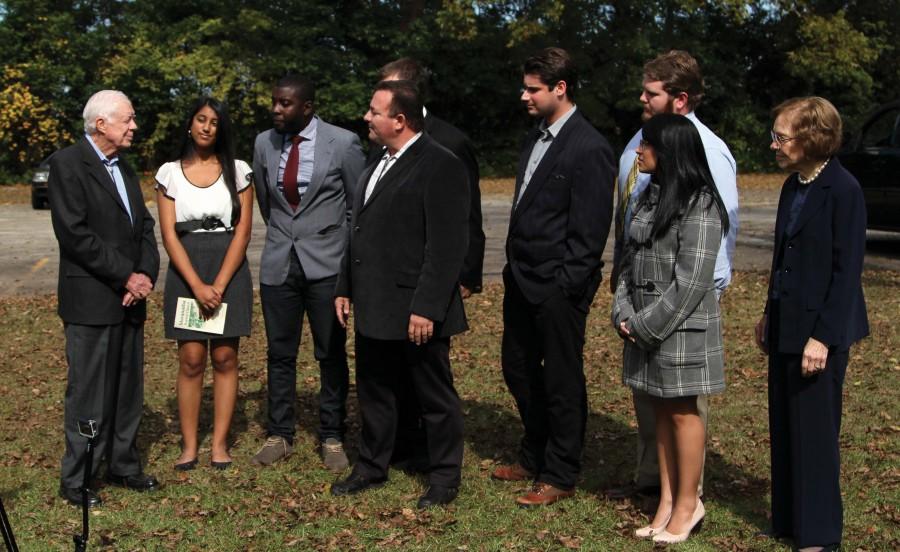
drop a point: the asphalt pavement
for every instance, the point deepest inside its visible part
(29, 258)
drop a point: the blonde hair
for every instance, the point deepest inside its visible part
(815, 123)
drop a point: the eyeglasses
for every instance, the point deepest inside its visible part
(780, 140)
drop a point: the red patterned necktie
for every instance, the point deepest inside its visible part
(291, 172)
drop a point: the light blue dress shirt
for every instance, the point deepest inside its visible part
(548, 133)
(112, 167)
(307, 157)
(724, 173)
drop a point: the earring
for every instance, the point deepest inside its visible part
(189, 132)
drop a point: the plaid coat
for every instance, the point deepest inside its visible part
(666, 296)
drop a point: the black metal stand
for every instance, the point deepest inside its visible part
(8, 537)
(82, 539)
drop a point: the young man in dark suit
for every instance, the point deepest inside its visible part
(108, 262)
(410, 451)
(560, 219)
(400, 270)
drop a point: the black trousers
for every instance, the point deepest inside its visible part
(544, 370)
(105, 384)
(283, 308)
(382, 368)
(804, 427)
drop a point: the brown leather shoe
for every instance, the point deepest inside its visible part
(543, 494)
(512, 472)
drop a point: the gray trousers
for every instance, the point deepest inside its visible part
(105, 384)
(647, 470)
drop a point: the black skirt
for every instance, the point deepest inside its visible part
(206, 250)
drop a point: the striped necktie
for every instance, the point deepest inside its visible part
(625, 198)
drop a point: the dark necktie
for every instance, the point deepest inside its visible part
(291, 174)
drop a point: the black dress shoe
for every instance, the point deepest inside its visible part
(356, 483)
(73, 496)
(437, 495)
(140, 482)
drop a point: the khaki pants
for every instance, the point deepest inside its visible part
(647, 469)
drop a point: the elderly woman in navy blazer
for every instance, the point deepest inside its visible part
(814, 311)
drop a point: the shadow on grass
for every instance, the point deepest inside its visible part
(493, 432)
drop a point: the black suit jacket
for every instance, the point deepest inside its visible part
(407, 245)
(99, 248)
(821, 293)
(459, 144)
(558, 230)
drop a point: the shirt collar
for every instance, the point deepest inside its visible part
(402, 150)
(308, 133)
(557, 126)
(108, 161)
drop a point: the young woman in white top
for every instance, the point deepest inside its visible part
(205, 202)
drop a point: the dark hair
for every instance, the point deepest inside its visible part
(223, 147)
(303, 87)
(407, 69)
(682, 170)
(552, 65)
(405, 99)
(815, 124)
(679, 72)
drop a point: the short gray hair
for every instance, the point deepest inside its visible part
(101, 106)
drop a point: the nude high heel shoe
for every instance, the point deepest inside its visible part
(649, 530)
(666, 537)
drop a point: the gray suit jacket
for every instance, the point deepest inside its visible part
(667, 295)
(318, 231)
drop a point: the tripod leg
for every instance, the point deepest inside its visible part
(81, 540)
(8, 537)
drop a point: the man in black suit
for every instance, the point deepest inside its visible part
(557, 231)
(108, 262)
(400, 270)
(410, 450)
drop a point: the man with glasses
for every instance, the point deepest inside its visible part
(672, 83)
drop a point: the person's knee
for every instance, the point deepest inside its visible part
(192, 366)
(224, 360)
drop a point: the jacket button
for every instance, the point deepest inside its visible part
(356, 229)
(355, 261)
(788, 269)
(790, 245)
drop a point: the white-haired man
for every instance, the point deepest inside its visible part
(108, 262)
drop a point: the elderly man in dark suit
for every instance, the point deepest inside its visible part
(561, 215)
(410, 451)
(108, 262)
(305, 171)
(400, 271)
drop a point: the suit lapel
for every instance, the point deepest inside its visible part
(814, 200)
(397, 170)
(272, 161)
(542, 171)
(322, 160)
(100, 174)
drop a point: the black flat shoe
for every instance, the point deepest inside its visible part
(437, 495)
(140, 482)
(186, 466)
(73, 496)
(356, 483)
(220, 465)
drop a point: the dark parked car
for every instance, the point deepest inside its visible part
(39, 184)
(873, 156)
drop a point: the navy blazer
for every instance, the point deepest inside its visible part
(558, 230)
(821, 292)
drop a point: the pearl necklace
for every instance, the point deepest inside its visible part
(815, 174)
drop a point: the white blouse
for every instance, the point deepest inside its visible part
(194, 202)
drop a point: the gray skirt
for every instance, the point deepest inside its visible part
(206, 250)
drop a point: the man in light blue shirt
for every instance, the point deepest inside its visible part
(672, 83)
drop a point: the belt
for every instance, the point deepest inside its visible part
(206, 223)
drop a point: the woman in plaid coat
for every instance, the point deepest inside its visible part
(667, 312)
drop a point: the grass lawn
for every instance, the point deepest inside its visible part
(288, 506)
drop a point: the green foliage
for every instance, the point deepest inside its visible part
(165, 53)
